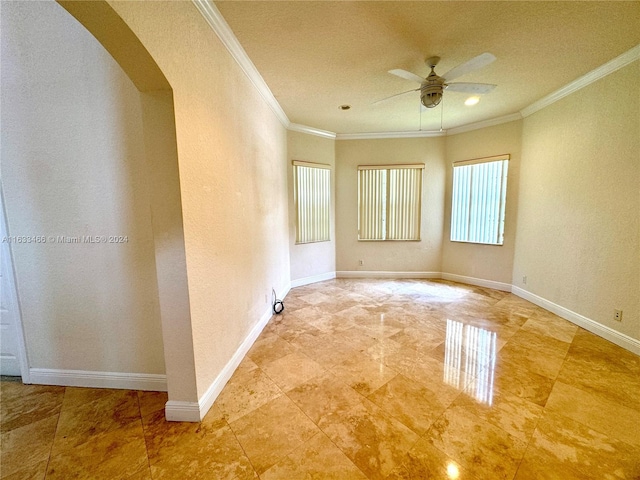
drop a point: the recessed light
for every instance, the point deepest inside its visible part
(344, 107)
(471, 101)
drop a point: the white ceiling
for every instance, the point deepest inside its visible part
(318, 55)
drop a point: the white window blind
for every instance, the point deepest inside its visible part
(312, 197)
(478, 200)
(389, 202)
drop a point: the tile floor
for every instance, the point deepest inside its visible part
(362, 379)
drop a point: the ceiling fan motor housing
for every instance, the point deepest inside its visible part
(431, 90)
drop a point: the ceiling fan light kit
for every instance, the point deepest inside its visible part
(431, 95)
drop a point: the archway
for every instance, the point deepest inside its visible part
(99, 18)
(155, 146)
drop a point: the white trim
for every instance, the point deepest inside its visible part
(381, 274)
(7, 253)
(485, 123)
(175, 411)
(221, 28)
(206, 401)
(83, 378)
(505, 287)
(593, 76)
(302, 163)
(603, 331)
(296, 127)
(378, 135)
(408, 134)
(285, 291)
(194, 412)
(313, 279)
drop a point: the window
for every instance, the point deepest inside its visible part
(312, 197)
(478, 200)
(389, 199)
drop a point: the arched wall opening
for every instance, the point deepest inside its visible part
(89, 152)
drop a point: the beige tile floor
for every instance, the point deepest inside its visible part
(362, 379)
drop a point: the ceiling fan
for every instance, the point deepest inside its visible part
(432, 87)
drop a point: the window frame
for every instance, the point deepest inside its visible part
(386, 207)
(326, 195)
(501, 195)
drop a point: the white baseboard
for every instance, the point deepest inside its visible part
(82, 378)
(380, 274)
(178, 411)
(505, 287)
(286, 290)
(206, 401)
(194, 412)
(313, 279)
(175, 411)
(603, 331)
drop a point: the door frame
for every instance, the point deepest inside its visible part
(7, 256)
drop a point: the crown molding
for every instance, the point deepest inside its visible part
(296, 127)
(221, 28)
(406, 134)
(485, 123)
(593, 76)
(378, 135)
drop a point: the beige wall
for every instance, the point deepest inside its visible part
(73, 164)
(487, 262)
(311, 259)
(233, 179)
(578, 230)
(423, 256)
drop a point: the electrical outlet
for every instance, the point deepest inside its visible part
(360, 262)
(524, 279)
(617, 315)
(266, 300)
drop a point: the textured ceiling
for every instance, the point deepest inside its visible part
(317, 55)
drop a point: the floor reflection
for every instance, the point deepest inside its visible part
(470, 360)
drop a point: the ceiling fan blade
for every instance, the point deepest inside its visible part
(475, 63)
(407, 75)
(396, 95)
(478, 88)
